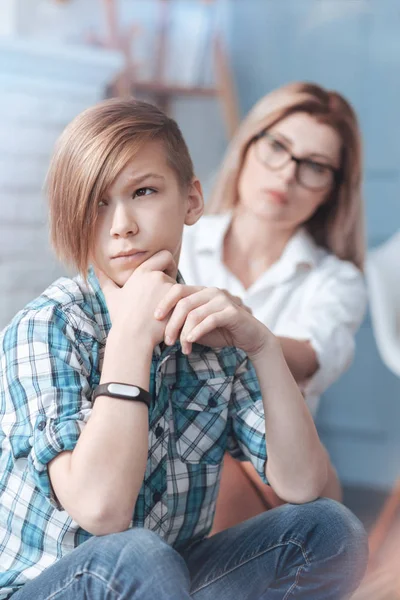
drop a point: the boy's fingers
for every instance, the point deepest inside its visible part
(198, 315)
(197, 305)
(160, 261)
(237, 300)
(212, 322)
(172, 297)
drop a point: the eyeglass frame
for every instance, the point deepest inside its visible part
(337, 173)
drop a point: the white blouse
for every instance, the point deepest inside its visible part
(308, 294)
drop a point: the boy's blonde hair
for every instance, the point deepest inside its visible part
(89, 155)
(338, 224)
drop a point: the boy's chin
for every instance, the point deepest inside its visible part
(121, 278)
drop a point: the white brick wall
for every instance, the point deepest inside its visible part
(42, 87)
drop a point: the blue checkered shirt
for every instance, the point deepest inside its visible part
(50, 360)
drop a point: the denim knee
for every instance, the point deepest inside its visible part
(138, 550)
(339, 526)
(338, 535)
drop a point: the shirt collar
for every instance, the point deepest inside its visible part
(300, 251)
(211, 232)
(299, 256)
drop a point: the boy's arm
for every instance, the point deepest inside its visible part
(302, 361)
(297, 463)
(99, 481)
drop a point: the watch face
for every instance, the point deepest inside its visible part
(119, 389)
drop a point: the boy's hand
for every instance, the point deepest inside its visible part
(132, 306)
(212, 317)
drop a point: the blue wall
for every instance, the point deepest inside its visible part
(354, 47)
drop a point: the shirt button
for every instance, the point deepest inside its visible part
(171, 386)
(159, 431)
(157, 497)
(41, 425)
(212, 403)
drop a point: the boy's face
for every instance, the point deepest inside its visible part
(143, 212)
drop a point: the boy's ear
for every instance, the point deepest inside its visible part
(195, 206)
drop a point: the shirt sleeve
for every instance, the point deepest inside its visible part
(329, 322)
(246, 440)
(46, 390)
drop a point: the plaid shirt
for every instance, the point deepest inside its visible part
(50, 360)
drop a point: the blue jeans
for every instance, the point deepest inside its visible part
(311, 551)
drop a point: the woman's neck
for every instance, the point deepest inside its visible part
(252, 245)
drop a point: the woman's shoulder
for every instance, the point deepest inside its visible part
(330, 266)
(324, 263)
(335, 279)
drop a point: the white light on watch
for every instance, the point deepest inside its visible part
(131, 391)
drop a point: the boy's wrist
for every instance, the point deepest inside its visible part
(269, 347)
(127, 359)
(130, 339)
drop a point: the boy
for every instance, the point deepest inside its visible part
(121, 389)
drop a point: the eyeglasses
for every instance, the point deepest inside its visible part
(311, 174)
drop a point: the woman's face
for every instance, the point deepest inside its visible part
(268, 186)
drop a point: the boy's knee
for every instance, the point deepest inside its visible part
(339, 524)
(339, 534)
(136, 547)
(333, 540)
(136, 542)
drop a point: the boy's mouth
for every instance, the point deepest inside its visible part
(125, 253)
(129, 256)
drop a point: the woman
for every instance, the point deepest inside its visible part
(285, 233)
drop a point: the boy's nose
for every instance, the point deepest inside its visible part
(123, 224)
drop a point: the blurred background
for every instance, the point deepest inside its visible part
(206, 63)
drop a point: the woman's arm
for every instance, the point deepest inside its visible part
(333, 488)
(325, 327)
(300, 357)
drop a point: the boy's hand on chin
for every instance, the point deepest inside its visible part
(132, 306)
(212, 317)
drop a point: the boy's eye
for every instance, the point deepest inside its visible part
(102, 203)
(143, 192)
